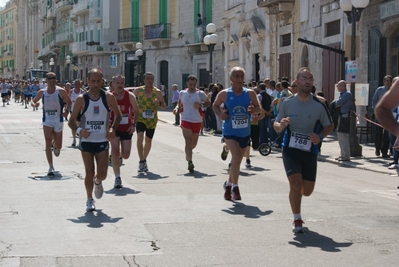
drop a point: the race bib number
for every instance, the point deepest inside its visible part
(239, 122)
(51, 113)
(125, 119)
(95, 126)
(300, 141)
(148, 114)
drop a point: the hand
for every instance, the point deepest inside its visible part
(285, 122)
(314, 138)
(85, 132)
(110, 134)
(197, 105)
(250, 107)
(132, 129)
(156, 102)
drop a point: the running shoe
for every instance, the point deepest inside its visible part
(50, 171)
(190, 166)
(110, 159)
(90, 205)
(145, 166)
(74, 142)
(118, 182)
(297, 226)
(98, 189)
(224, 153)
(228, 168)
(393, 166)
(55, 150)
(141, 166)
(235, 193)
(248, 163)
(227, 191)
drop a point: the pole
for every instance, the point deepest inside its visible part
(211, 63)
(355, 148)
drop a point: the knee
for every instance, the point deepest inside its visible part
(307, 192)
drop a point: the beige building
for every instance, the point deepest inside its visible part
(8, 30)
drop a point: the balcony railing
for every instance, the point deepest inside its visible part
(81, 7)
(95, 13)
(79, 47)
(51, 13)
(64, 37)
(130, 35)
(65, 5)
(196, 36)
(157, 31)
(269, 3)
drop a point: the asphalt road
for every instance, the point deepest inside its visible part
(169, 217)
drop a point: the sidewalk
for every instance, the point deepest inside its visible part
(329, 151)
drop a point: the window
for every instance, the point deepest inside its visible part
(333, 28)
(285, 40)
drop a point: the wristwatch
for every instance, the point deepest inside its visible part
(113, 127)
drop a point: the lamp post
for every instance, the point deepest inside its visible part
(52, 64)
(68, 62)
(41, 64)
(353, 9)
(210, 40)
(138, 53)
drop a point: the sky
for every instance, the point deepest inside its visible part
(3, 3)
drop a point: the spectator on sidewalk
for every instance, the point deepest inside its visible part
(343, 105)
(381, 140)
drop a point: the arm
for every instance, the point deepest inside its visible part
(220, 98)
(35, 102)
(159, 100)
(112, 104)
(65, 97)
(254, 108)
(384, 108)
(72, 122)
(135, 111)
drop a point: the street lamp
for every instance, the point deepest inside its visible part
(138, 53)
(353, 9)
(31, 65)
(210, 40)
(52, 64)
(68, 62)
(41, 64)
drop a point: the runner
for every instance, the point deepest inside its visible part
(77, 91)
(238, 104)
(191, 101)
(302, 118)
(121, 145)
(149, 98)
(53, 99)
(93, 108)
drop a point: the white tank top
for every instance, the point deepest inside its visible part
(52, 106)
(74, 96)
(95, 119)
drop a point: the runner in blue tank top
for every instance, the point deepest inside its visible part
(238, 102)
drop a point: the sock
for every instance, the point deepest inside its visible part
(117, 175)
(234, 185)
(96, 181)
(297, 216)
(228, 183)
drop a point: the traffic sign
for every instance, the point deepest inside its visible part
(113, 61)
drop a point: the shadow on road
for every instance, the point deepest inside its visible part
(124, 191)
(197, 174)
(95, 219)
(314, 239)
(150, 176)
(248, 211)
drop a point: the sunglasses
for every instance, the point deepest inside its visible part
(51, 78)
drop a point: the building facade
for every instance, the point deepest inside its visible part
(8, 30)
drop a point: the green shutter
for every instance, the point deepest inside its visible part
(135, 22)
(196, 11)
(163, 11)
(208, 11)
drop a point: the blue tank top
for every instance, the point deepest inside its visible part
(238, 123)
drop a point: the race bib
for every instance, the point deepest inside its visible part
(125, 119)
(51, 113)
(300, 141)
(95, 126)
(148, 114)
(239, 122)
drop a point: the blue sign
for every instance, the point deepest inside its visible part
(350, 71)
(113, 61)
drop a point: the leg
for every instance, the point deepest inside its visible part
(48, 137)
(57, 140)
(139, 143)
(237, 154)
(102, 165)
(115, 155)
(88, 160)
(126, 147)
(147, 147)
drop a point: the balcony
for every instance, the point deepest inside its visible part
(64, 38)
(51, 13)
(273, 3)
(95, 14)
(158, 31)
(80, 48)
(128, 35)
(65, 5)
(82, 7)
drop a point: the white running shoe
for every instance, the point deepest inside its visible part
(98, 189)
(51, 171)
(145, 166)
(90, 205)
(393, 166)
(297, 226)
(141, 166)
(118, 182)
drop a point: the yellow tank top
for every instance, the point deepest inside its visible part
(148, 111)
